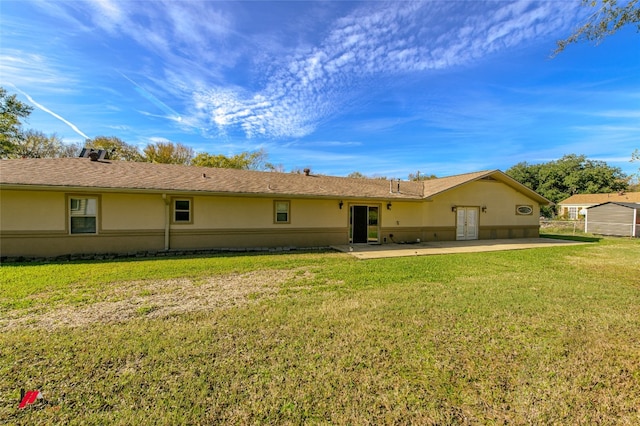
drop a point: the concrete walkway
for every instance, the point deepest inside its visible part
(365, 251)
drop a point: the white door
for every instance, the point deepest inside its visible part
(467, 223)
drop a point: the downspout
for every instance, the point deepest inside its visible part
(586, 221)
(167, 220)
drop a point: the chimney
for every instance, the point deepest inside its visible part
(391, 186)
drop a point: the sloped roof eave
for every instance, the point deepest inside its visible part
(136, 177)
(524, 189)
(141, 190)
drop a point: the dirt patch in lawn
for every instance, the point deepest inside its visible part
(158, 299)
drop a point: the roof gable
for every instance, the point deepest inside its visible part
(438, 186)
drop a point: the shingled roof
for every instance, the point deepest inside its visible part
(83, 174)
(587, 199)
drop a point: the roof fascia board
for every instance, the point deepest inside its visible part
(52, 188)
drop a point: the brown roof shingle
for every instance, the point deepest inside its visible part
(590, 199)
(81, 173)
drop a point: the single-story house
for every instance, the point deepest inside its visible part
(52, 207)
(574, 207)
(613, 218)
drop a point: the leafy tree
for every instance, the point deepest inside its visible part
(118, 149)
(70, 150)
(11, 111)
(635, 156)
(35, 144)
(275, 167)
(356, 175)
(246, 161)
(608, 18)
(527, 174)
(168, 153)
(572, 174)
(417, 176)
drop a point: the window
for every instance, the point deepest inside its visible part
(524, 210)
(573, 213)
(83, 215)
(182, 210)
(281, 211)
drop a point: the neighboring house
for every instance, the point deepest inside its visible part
(613, 218)
(574, 207)
(51, 207)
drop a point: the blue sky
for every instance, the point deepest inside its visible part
(383, 88)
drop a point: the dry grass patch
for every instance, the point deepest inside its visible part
(156, 299)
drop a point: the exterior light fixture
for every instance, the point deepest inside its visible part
(388, 206)
(454, 209)
(484, 209)
(340, 204)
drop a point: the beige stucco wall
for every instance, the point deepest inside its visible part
(434, 219)
(31, 210)
(131, 211)
(247, 212)
(402, 214)
(34, 223)
(499, 199)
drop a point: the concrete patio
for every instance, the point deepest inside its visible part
(366, 251)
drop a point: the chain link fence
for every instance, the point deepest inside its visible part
(562, 226)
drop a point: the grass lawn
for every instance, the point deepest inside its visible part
(539, 336)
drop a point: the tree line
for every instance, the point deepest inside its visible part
(572, 174)
(554, 180)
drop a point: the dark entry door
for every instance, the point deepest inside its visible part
(360, 224)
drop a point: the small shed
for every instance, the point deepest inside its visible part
(613, 218)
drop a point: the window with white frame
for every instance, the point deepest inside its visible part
(282, 212)
(573, 213)
(83, 215)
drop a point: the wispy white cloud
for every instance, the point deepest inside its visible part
(618, 113)
(175, 30)
(324, 143)
(202, 47)
(379, 41)
(24, 69)
(171, 114)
